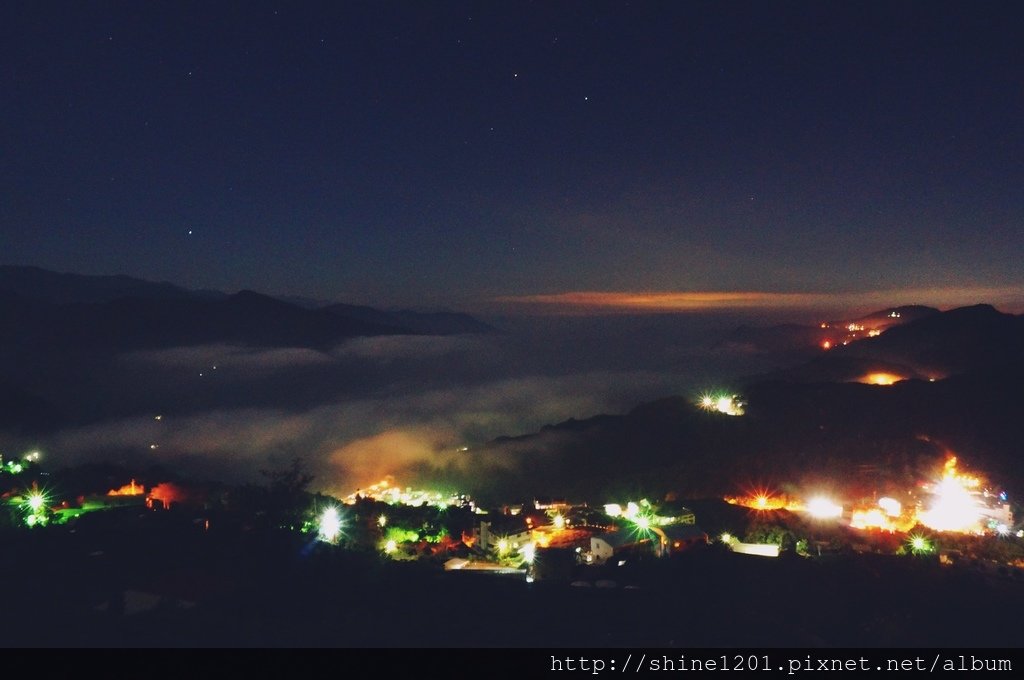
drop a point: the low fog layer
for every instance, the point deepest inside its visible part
(392, 405)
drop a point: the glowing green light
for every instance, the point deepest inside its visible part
(503, 546)
(643, 522)
(36, 501)
(31, 520)
(920, 544)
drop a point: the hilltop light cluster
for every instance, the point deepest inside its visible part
(729, 404)
(845, 333)
(386, 491)
(955, 502)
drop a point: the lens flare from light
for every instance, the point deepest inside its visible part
(330, 525)
(919, 545)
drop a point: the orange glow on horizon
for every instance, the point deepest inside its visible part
(587, 301)
(667, 301)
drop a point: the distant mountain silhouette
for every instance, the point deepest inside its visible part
(131, 323)
(801, 338)
(33, 283)
(48, 311)
(964, 340)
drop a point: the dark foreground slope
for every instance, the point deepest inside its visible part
(176, 585)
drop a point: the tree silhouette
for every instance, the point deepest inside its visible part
(287, 497)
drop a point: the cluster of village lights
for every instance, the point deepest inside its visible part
(953, 505)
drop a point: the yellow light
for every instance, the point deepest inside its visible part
(823, 508)
(881, 378)
(390, 547)
(892, 507)
(728, 405)
(382, 520)
(873, 518)
(559, 522)
(503, 546)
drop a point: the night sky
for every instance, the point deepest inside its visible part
(467, 154)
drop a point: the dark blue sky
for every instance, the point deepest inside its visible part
(451, 153)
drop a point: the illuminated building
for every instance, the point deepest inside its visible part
(606, 546)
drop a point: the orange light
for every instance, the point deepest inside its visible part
(761, 500)
(873, 518)
(132, 489)
(826, 345)
(167, 493)
(881, 378)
